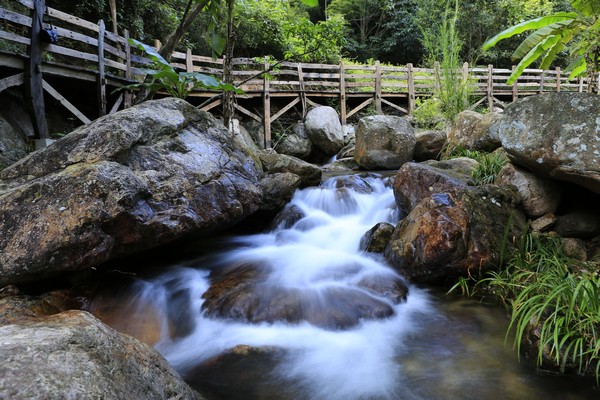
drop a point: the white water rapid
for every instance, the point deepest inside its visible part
(319, 250)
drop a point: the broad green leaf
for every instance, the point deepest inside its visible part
(533, 55)
(551, 54)
(577, 67)
(536, 37)
(150, 51)
(536, 23)
(587, 7)
(218, 44)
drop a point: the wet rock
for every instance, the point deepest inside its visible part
(243, 293)
(348, 150)
(290, 214)
(455, 233)
(578, 223)
(459, 165)
(244, 141)
(391, 287)
(429, 145)
(414, 182)
(72, 355)
(554, 135)
(310, 174)
(377, 238)
(539, 196)
(15, 308)
(127, 182)
(472, 131)
(357, 182)
(324, 129)
(543, 223)
(384, 142)
(242, 364)
(278, 190)
(344, 164)
(296, 143)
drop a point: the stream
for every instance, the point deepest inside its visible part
(428, 346)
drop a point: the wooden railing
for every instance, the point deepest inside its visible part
(86, 51)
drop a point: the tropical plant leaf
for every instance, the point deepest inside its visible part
(536, 23)
(577, 67)
(150, 51)
(533, 55)
(536, 37)
(587, 7)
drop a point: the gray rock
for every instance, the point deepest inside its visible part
(278, 190)
(538, 195)
(15, 127)
(429, 145)
(296, 143)
(554, 135)
(125, 183)
(543, 223)
(578, 223)
(472, 131)
(309, 174)
(377, 238)
(323, 127)
(72, 355)
(384, 142)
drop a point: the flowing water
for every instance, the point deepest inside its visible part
(431, 346)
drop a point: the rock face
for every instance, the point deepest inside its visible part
(554, 135)
(15, 127)
(414, 182)
(278, 190)
(454, 233)
(297, 143)
(429, 145)
(472, 131)
(384, 142)
(324, 129)
(125, 183)
(539, 196)
(72, 355)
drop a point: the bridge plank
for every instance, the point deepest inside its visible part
(66, 103)
(14, 80)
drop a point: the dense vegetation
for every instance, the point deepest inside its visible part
(388, 30)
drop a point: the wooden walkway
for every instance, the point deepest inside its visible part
(86, 52)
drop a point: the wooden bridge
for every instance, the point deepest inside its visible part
(102, 61)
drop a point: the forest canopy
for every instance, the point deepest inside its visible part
(360, 30)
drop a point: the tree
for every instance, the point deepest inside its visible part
(579, 29)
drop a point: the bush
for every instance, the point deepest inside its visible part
(428, 114)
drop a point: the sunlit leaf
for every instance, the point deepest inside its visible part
(533, 55)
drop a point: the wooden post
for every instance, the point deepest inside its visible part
(267, 109)
(490, 88)
(378, 87)
(101, 70)
(34, 90)
(542, 79)
(302, 92)
(128, 98)
(515, 88)
(558, 79)
(342, 94)
(189, 63)
(411, 88)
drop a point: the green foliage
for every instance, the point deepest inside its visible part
(428, 113)
(552, 34)
(552, 295)
(176, 84)
(319, 42)
(488, 164)
(453, 89)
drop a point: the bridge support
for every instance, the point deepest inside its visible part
(34, 89)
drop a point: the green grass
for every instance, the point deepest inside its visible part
(554, 300)
(489, 165)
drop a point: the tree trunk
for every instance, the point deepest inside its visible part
(190, 14)
(113, 15)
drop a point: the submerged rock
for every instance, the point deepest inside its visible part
(124, 183)
(244, 293)
(455, 233)
(310, 174)
(72, 355)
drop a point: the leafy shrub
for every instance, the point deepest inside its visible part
(428, 114)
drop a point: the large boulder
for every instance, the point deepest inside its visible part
(310, 174)
(472, 131)
(554, 135)
(15, 128)
(384, 142)
(539, 196)
(455, 233)
(429, 145)
(127, 182)
(324, 128)
(296, 143)
(415, 181)
(72, 355)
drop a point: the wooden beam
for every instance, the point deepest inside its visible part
(11, 81)
(54, 93)
(34, 79)
(128, 98)
(557, 79)
(360, 107)
(117, 104)
(267, 109)
(101, 85)
(378, 108)
(411, 88)
(397, 107)
(285, 109)
(214, 104)
(247, 112)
